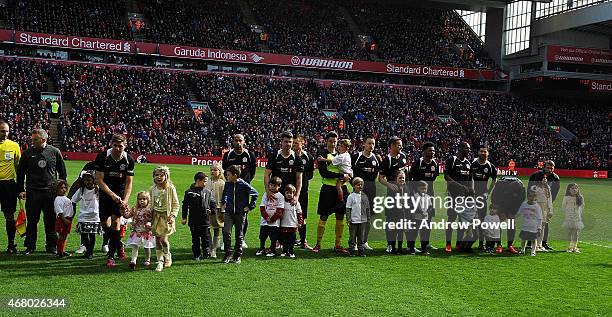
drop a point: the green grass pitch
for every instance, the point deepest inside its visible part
(554, 283)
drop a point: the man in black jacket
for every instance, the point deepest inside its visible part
(553, 182)
(40, 166)
(198, 205)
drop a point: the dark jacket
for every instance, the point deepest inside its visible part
(198, 204)
(238, 195)
(553, 182)
(40, 168)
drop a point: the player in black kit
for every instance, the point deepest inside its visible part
(367, 165)
(308, 162)
(426, 169)
(458, 184)
(482, 170)
(247, 162)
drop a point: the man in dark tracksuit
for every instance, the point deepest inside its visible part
(40, 166)
(198, 205)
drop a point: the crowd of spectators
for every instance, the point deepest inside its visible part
(413, 35)
(307, 27)
(20, 86)
(206, 23)
(92, 18)
(152, 107)
(402, 33)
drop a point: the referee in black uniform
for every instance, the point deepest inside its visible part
(40, 166)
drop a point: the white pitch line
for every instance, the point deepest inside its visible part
(595, 244)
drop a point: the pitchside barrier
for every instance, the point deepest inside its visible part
(261, 162)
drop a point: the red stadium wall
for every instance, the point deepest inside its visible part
(261, 162)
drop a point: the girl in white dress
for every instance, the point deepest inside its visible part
(573, 205)
(141, 234)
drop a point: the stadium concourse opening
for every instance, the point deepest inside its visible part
(454, 155)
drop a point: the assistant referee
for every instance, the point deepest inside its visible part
(11, 153)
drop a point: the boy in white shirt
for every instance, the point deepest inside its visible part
(357, 217)
(271, 209)
(64, 211)
(532, 221)
(291, 221)
(492, 232)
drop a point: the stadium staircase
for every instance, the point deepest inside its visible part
(54, 122)
(249, 18)
(355, 29)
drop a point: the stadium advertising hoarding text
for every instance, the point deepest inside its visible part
(604, 86)
(261, 162)
(326, 63)
(178, 51)
(578, 55)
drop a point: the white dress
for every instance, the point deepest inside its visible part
(573, 213)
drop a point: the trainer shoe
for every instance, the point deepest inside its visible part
(367, 247)
(411, 251)
(132, 265)
(499, 249)
(11, 249)
(167, 260)
(27, 251)
(105, 248)
(540, 249)
(431, 247)
(292, 255)
(260, 252)
(63, 254)
(340, 249)
(389, 249)
(512, 250)
(237, 260)
(305, 246)
(448, 248)
(159, 267)
(547, 247)
(270, 254)
(110, 263)
(213, 253)
(533, 252)
(283, 254)
(244, 245)
(316, 249)
(227, 258)
(146, 263)
(576, 250)
(81, 249)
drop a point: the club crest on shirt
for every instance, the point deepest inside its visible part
(290, 162)
(433, 168)
(42, 163)
(303, 162)
(122, 167)
(374, 163)
(486, 169)
(244, 159)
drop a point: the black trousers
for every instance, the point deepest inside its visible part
(8, 203)
(38, 201)
(415, 231)
(304, 204)
(89, 241)
(200, 241)
(287, 238)
(266, 232)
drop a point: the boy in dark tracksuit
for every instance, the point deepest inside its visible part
(238, 199)
(198, 205)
